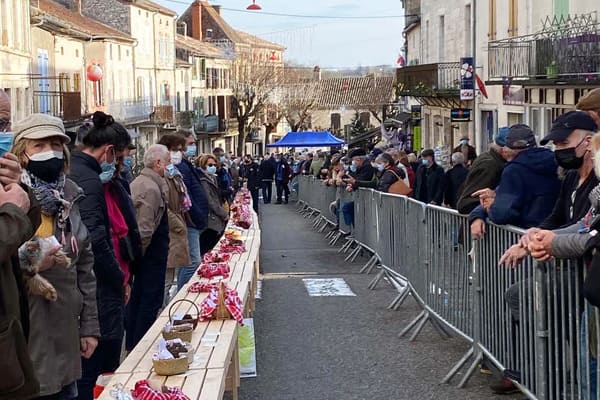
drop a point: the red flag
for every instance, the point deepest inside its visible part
(481, 86)
(400, 60)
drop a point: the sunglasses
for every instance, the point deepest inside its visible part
(4, 123)
(211, 165)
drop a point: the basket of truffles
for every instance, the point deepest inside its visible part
(181, 326)
(173, 357)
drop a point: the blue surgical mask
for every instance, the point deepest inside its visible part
(127, 161)
(464, 141)
(222, 159)
(380, 167)
(191, 151)
(353, 167)
(425, 162)
(211, 169)
(346, 167)
(108, 171)
(6, 141)
(171, 170)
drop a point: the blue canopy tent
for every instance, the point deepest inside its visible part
(308, 139)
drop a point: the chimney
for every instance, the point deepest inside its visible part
(217, 8)
(317, 73)
(196, 20)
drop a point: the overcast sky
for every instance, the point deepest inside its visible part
(324, 42)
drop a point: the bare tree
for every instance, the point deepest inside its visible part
(252, 87)
(296, 98)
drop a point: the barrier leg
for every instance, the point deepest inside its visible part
(375, 281)
(335, 237)
(347, 246)
(372, 261)
(421, 320)
(358, 252)
(399, 300)
(353, 254)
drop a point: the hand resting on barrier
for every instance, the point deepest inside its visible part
(513, 256)
(528, 237)
(478, 229)
(541, 245)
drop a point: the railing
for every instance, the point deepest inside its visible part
(214, 124)
(64, 105)
(429, 80)
(530, 322)
(130, 111)
(559, 55)
(162, 114)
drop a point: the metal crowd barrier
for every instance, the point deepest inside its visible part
(530, 322)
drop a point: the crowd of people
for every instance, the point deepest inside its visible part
(89, 254)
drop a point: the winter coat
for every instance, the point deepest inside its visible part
(198, 214)
(266, 169)
(57, 326)
(316, 166)
(150, 196)
(285, 173)
(16, 227)
(217, 215)
(455, 177)
(249, 172)
(527, 191)
(484, 173)
(179, 252)
(429, 185)
(388, 178)
(225, 184)
(85, 172)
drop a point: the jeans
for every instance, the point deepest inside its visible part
(587, 393)
(105, 359)
(254, 193)
(348, 213)
(185, 273)
(281, 189)
(267, 191)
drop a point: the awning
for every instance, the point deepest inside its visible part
(308, 139)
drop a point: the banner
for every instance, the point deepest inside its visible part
(467, 78)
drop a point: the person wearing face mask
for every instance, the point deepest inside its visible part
(249, 173)
(92, 166)
(429, 184)
(197, 216)
(178, 207)
(283, 173)
(217, 214)
(361, 171)
(223, 177)
(126, 169)
(466, 149)
(150, 195)
(65, 330)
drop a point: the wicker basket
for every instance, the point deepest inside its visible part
(185, 335)
(170, 367)
(192, 320)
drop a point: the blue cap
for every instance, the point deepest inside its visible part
(500, 138)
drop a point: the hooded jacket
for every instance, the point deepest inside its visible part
(484, 173)
(528, 189)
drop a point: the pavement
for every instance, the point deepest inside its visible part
(340, 347)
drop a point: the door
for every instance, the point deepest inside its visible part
(489, 126)
(43, 81)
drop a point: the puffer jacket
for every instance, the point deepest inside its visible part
(56, 327)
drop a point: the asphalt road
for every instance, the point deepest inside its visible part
(339, 347)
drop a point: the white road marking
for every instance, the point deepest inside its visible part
(258, 290)
(328, 287)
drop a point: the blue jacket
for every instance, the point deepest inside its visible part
(199, 212)
(527, 191)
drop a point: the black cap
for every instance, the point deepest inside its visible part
(375, 152)
(565, 124)
(357, 153)
(520, 136)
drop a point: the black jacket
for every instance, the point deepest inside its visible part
(484, 173)
(198, 214)
(455, 177)
(566, 211)
(266, 170)
(85, 172)
(250, 173)
(429, 186)
(363, 174)
(388, 178)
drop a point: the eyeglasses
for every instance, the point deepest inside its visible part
(211, 165)
(4, 123)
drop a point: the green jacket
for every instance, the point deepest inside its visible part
(316, 166)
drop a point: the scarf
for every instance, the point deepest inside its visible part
(50, 196)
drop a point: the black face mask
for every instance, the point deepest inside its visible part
(567, 158)
(47, 170)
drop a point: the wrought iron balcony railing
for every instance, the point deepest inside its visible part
(566, 54)
(64, 105)
(429, 80)
(130, 111)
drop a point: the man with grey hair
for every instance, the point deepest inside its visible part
(149, 192)
(455, 178)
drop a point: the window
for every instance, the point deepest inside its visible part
(139, 88)
(139, 12)
(119, 51)
(178, 102)
(97, 88)
(77, 53)
(468, 28)
(441, 40)
(77, 82)
(64, 82)
(513, 17)
(62, 51)
(186, 99)
(336, 121)
(492, 22)
(195, 68)
(110, 51)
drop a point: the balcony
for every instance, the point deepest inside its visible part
(130, 111)
(64, 105)
(214, 124)
(568, 54)
(162, 114)
(432, 84)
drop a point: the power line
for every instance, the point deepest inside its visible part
(367, 17)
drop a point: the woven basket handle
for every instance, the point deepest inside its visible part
(182, 300)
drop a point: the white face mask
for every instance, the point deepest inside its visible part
(176, 157)
(46, 155)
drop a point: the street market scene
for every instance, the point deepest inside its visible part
(275, 200)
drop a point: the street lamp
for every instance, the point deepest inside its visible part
(253, 6)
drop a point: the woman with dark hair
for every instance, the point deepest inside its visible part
(387, 171)
(217, 215)
(177, 211)
(92, 166)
